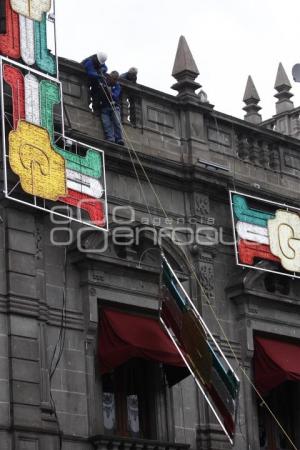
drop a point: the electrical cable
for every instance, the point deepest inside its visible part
(193, 272)
(116, 113)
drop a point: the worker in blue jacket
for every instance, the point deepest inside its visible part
(95, 68)
(110, 98)
(130, 75)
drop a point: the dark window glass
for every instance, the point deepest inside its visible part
(129, 396)
(283, 402)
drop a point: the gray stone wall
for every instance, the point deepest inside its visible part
(176, 140)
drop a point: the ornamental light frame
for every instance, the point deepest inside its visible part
(101, 207)
(38, 202)
(234, 221)
(212, 341)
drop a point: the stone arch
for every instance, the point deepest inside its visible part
(144, 248)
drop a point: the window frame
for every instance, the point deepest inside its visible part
(156, 397)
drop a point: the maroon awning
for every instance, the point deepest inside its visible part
(275, 361)
(124, 336)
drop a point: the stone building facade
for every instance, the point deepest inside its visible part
(51, 296)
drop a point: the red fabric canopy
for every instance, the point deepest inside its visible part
(275, 362)
(124, 336)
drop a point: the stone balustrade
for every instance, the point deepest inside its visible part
(258, 151)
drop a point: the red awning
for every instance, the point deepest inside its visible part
(275, 362)
(124, 336)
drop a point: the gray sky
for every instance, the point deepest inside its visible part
(229, 40)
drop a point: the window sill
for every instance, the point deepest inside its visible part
(116, 442)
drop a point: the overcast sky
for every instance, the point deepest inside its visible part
(229, 40)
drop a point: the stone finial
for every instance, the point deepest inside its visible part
(251, 93)
(283, 87)
(251, 98)
(185, 70)
(184, 59)
(281, 79)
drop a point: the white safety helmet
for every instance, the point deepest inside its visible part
(102, 57)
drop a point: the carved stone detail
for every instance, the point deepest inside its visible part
(207, 273)
(201, 204)
(207, 278)
(98, 275)
(92, 291)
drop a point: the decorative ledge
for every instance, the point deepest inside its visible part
(103, 442)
